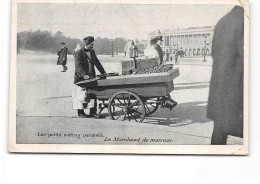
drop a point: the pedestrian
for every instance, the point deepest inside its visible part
(151, 52)
(158, 48)
(167, 57)
(85, 61)
(176, 57)
(168, 102)
(181, 52)
(133, 51)
(62, 59)
(225, 103)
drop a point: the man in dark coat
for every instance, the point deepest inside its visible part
(177, 53)
(158, 48)
(85, 61)
(62, 59)
(225, 103)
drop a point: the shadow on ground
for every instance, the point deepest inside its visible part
(183, 114)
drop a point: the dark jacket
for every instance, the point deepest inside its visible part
(84, 66)
(225, 103)
(160, 52)
(62, 54)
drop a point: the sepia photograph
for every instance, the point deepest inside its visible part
(140, 77)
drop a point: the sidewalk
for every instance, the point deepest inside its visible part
(45, 114)
(193, 61)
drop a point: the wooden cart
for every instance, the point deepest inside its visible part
(132, 96)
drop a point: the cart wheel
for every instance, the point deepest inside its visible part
(126, 105)
(151, 106)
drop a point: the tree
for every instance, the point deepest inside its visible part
(45, 41)
(119, 44)
(48, 42)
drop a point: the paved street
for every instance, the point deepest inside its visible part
(45, 114)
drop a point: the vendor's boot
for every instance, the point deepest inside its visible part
(82, 114)
(93, 112)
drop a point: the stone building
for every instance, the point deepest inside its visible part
(193, 41)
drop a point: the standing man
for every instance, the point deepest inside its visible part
(85, 60)
(62, 59)
(225, 103)
(158, 48)
(151, 52)
(133, 51)
(167, 57)
(176, 57)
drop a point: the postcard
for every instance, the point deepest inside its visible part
(129, 77)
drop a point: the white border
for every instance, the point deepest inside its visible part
(130, 149)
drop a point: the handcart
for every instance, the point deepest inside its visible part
(132, 97)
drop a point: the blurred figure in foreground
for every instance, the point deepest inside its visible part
(225, 103)
(62, 59)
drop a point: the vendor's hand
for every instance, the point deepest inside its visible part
(63, 59)
(86, 77)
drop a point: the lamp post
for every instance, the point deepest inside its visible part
(204, 53)
(112, 49)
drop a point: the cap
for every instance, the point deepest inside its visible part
(88, 39)
(159, 38)
(154, 40)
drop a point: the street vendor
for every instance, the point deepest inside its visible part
(85, 60)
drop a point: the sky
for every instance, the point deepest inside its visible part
(111, 20)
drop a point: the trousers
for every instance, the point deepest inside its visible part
(79, 100)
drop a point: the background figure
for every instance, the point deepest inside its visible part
(150, 52)
(177, 53)
(225, 103)
(167, 57)
(126, 48)
(62, 59)
(181, 52)
(158, 48)
(133, 51)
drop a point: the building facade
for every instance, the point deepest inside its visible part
(193, 41)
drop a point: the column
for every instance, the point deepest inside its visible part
(164, 40)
